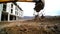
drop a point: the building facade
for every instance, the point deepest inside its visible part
(10, 12)
(1, 8)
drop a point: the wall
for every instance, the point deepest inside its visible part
(1, 8)
(8, 8)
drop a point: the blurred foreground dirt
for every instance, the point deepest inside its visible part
(30, 27)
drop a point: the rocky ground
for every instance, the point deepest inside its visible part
(30, 27)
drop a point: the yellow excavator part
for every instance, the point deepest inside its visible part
(16, 0)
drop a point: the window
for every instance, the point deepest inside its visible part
(4, 7)
(11, 5)
(16, 12)
(16, 8)
(11, 10)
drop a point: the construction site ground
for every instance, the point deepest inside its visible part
(30, 27)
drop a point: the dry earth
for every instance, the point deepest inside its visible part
(30, 27)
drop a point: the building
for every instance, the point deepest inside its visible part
(1, 8)
(9, 11)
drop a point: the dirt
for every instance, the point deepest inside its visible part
(30, 27)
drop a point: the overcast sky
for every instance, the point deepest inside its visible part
(27, 8)
(52, 8)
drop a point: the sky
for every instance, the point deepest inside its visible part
(51, 8)
(27, 8)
